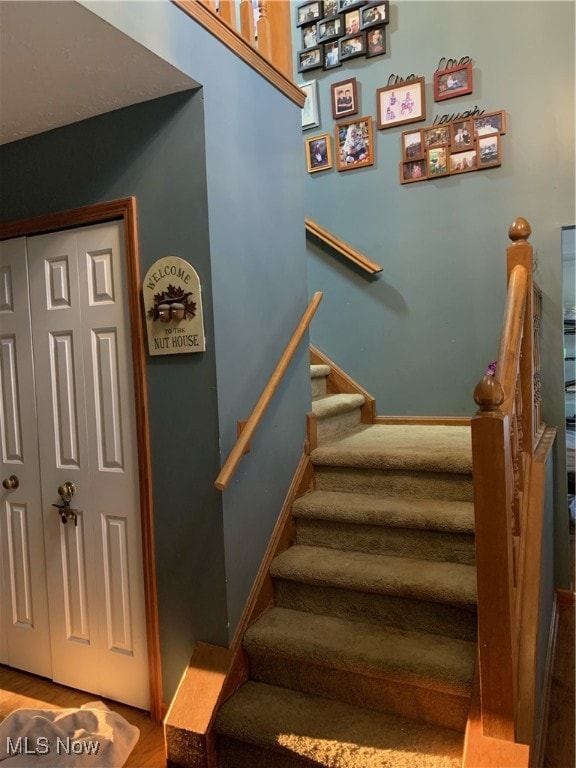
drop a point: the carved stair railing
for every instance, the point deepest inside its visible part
(265, 44)
(510, 445)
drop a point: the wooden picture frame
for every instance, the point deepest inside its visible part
(319, 153)
(461, 135)
(463, 162)
(310, 58)
(489, 123)
(437, 162)
(374, 14)
(308, 12)
(453, 82)
(436, 135)
(310, 114)
(354, 144)
(401, 103)
(413, 170)
(344, 97)
(412, 145)
(489, 151)
(375, 42)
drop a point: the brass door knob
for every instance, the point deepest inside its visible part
(10, 483)
(66, 489)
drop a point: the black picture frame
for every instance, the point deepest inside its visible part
(374, 14)
(330, 29)
(310, 58)
(352, 46)
(375, 41)
(308, 12)
(331, 61)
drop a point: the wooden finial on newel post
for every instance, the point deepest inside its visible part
(520, 230)
(489, 396)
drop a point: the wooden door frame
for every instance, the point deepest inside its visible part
(123, 209)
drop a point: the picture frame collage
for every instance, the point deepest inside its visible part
(460, 146)
(353, 138)
(334, 31)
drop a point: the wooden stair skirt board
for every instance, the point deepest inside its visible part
(357, 647)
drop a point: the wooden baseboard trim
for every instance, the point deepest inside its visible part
(447, 421)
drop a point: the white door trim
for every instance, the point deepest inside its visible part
(124, 209)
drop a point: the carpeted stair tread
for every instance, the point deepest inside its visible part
(397, 512)
(332, 734)
(319, 371)
(334, 405)
(442, 663)
(417, 448)
(438, 581)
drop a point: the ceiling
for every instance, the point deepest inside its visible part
(60, 63)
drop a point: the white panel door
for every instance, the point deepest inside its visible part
(87, 436)
(24, 631)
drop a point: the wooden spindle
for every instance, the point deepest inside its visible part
(263, 27)
(280, 16)
(228, 12)
(247, 21)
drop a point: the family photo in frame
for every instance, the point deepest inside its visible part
(401, 103)
(344, 98)
(354, 144)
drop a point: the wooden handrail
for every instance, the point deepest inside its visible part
(245, 436)
(509, 354)
(343, 248)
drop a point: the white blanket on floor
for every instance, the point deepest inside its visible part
(90, 737)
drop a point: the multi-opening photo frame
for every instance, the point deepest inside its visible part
(463, 145)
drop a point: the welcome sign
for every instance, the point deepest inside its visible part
(173, 307)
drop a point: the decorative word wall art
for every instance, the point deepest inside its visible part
(460, 146)
(334, 31)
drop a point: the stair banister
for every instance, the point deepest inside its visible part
(241, 444)
(503, 441)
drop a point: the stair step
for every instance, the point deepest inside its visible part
(414, 448)
(449, 583)
(445, 486)
(436, 530)
(337, 414)
(427, 677)
(264, 726)
(318, 375)
(399, 512)
(429, 661)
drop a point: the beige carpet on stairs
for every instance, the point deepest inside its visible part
(366, 659)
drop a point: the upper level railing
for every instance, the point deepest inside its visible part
(264, 43)
(505, 433)
(248, 429)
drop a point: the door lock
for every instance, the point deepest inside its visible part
(66, 491)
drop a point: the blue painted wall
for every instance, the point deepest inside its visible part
(419, 336)
(217, 179)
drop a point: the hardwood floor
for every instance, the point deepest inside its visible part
(20, 689)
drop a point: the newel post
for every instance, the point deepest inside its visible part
(520, 252)
(493, 491)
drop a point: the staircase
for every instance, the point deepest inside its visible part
(367, 656)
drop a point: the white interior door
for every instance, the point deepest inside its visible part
(24, 628)
(87, 437)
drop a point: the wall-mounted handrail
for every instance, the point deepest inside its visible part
(343, 248)
(245, 436)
